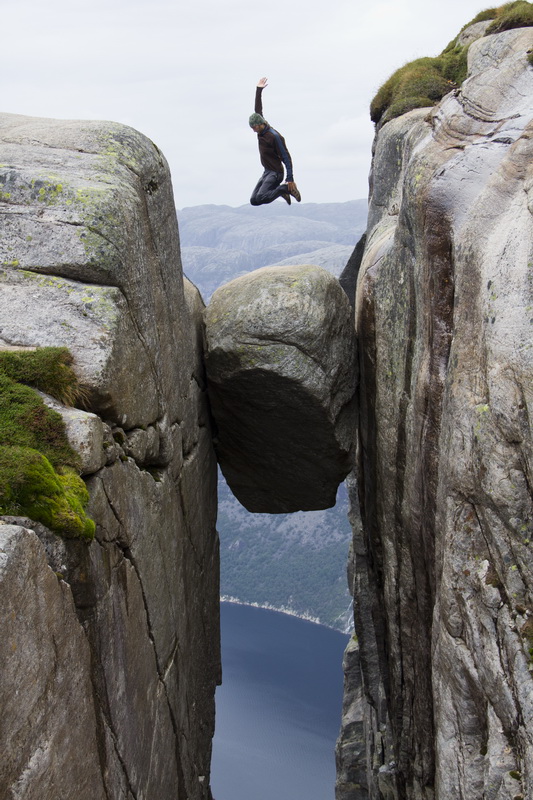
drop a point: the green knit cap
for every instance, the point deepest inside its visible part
(256, 119)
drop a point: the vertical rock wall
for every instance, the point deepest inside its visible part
(443, 567)
(124, 640)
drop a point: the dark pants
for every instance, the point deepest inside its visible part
(268, 188)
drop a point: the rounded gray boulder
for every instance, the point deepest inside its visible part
(281, 377)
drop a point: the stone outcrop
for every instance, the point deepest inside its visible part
(443, 568)
(45, 692)
(130, 647)
(351, 749)
(281, 371)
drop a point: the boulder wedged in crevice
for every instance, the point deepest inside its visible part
(281, 380)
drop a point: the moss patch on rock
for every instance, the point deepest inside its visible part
(46, 368)
(29, 486)
(25, 421)
(425, 81)
(38, 467)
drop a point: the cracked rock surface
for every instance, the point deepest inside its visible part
(443, 571)
(90, 260)
(45, 692)
(90, 255)
(281, 371)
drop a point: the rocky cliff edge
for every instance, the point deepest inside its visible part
(110, 650)
(443, 565)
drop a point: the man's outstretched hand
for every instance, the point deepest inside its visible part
(261, 83)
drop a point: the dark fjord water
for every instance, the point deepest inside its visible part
(278, 709)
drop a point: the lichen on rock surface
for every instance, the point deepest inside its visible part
(281, 371)
(89, 214)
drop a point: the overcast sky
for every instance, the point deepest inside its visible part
(184, 74)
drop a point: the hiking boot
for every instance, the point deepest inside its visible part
(294, 192)
(286, 196)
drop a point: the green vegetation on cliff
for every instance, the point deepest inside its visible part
(38, 467)
(425, 81)
(46, 368)
(512, 15)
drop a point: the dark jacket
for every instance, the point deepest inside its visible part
(272, 148)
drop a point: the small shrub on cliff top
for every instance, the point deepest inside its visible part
(423, 82)
(512, 15)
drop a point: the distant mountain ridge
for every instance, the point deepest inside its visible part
(218, 243)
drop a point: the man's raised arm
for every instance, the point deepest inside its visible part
(261, 83)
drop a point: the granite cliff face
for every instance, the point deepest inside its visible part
(443, 562)
(110, 650)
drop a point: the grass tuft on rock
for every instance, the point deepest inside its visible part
(483, 16)
(46, 368)
(512, 15)
(419, 84)
(25, 421)
(425, 81)
(38, 467)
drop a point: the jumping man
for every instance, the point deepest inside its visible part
(274, 154)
